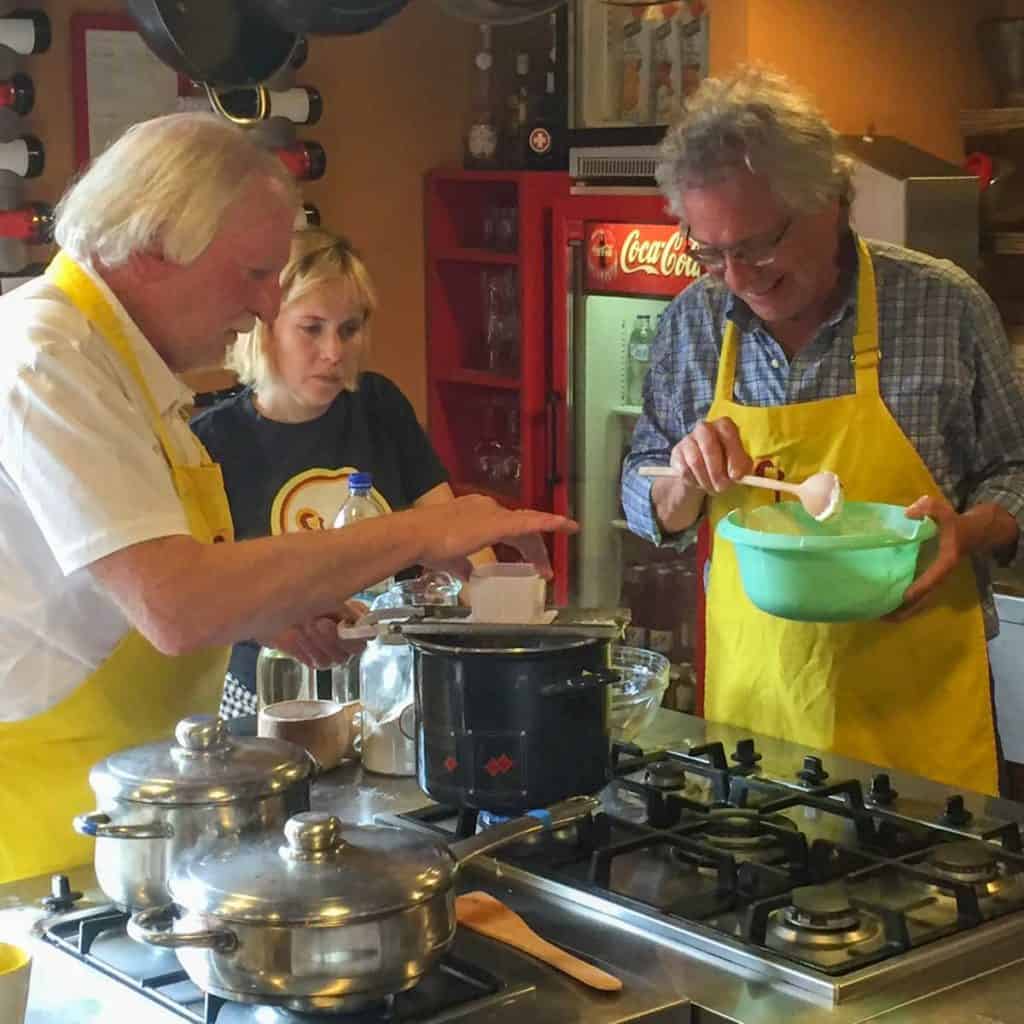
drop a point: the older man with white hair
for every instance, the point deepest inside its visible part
(117, 603)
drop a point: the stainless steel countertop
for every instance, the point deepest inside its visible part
(661, 976)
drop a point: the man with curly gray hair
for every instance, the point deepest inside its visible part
(806, 347)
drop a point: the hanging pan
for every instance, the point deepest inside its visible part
(329, 17)
(498, 12)
(224, 42)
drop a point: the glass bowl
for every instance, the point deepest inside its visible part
(639, 692)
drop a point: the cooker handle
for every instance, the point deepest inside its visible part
(154, 926)
(97, 824)
(586, 680)
(554, 817)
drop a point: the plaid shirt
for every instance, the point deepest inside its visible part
(946, 375)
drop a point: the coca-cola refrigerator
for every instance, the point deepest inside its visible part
(618, 259)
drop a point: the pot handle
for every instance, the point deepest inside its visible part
(154, 926)
(553, 817)
(584, 681)
(97, 824)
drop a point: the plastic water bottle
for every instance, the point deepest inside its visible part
(361, 506)
(639, 359)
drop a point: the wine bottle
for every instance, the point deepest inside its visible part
(546, 132)
(312, 215)
(17, 95)
(31, 224)
(23, 156)
(301, 104)
(306, 160)
(26, 32)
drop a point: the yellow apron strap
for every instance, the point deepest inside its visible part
(725, 382)
(866, 351)
(64, 272)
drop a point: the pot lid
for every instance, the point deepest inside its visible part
(322, 873)
(202, 764)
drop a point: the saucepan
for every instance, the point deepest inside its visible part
(162, 800)
(333, 919)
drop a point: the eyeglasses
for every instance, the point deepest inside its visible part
(754, 252)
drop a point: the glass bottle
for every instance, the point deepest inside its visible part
(306, 161)
(359, 506)
(517, 116)
(545, 135)
(639, 359)
(280, 677)
(481, 148)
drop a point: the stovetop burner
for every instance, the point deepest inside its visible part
(665, 775)
(964, 861)
(822, 927)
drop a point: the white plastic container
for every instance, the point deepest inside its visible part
(506, 592)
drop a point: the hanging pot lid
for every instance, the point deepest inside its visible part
(322, 873)
(494, 12)
(224, 42)
(202, 764)
(330, 17)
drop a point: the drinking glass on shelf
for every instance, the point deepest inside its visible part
(512, 465)
(506, 228)
(490, 453)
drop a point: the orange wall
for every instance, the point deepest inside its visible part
(905, 67)
(392, 108)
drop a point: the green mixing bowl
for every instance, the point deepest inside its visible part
(856, 566)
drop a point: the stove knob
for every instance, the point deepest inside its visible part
(881, 790)
(813, 772)
(956, 815)
(746, 754)
(62, 897)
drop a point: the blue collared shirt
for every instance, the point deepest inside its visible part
(947, 376)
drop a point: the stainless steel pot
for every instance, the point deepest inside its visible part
(160, 801)
(333, 920)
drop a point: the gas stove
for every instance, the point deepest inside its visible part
(835, 886)
(725, 878)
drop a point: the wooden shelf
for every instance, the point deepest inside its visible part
(466, 254)
(480, 379)
(992, 121)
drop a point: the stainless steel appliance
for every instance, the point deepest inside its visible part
(727, 877)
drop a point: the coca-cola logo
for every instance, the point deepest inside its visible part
(601, 254)
(664, 257)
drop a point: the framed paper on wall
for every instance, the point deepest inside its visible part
(116, 82)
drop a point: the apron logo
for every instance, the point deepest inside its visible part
(770, 471)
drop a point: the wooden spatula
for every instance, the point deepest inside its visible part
(483, 913)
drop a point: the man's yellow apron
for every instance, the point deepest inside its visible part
(911, 695)
(136, 696)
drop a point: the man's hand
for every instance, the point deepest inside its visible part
(317, 642)
(952, 548)
(709, 460)
(711, 457)
(474, 521)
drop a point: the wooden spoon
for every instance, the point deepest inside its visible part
(820, 494)
(484, 914)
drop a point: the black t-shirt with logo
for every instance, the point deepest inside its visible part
(287, 477)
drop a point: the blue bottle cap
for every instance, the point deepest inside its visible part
(360, 481)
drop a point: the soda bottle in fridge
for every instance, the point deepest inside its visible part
(639, 359)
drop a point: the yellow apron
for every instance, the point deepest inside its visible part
(911, 695)
(136, 696)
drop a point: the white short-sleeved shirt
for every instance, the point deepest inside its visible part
(82, 475)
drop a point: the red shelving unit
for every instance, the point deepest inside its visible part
(488, 316)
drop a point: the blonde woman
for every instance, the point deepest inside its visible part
(310, 415)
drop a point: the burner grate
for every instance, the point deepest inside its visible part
(100, 940)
